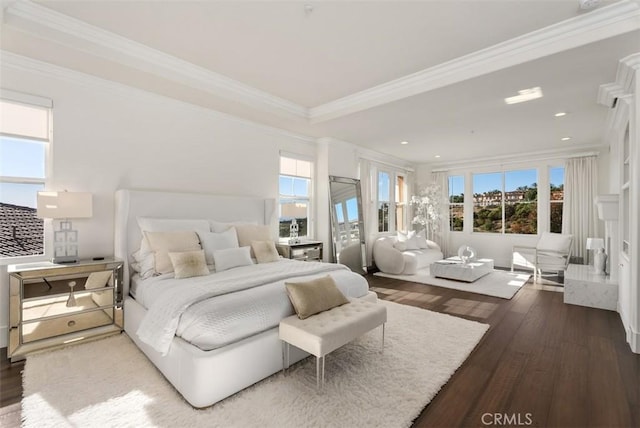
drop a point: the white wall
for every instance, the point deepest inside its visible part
(107, 136)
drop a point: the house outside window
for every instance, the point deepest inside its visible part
(506, 202)
(556, 198)
(25, 122)
(391, 201)
(456, 203)
(295, 190)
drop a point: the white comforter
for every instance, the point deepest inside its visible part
(187, 308)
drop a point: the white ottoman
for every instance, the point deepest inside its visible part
(325, 332)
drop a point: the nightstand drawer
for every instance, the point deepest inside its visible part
(65, 324)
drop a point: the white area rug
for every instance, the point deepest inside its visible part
(498, 283)
(109, 383)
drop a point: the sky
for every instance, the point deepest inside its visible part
(20, 158)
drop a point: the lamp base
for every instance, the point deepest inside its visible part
(599, 262)
(65, 260)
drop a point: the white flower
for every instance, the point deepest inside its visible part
(427, 207)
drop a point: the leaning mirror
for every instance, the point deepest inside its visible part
(347, 226)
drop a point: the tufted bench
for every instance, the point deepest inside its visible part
(325, 332)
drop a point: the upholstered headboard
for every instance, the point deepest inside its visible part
(131, 204)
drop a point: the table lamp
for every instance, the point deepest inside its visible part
(64, 206)
(600, 257)
(294, 210)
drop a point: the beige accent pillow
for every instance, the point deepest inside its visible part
(187, 264)
(265, 251)
(311, 297)
(248, 233)
(162, 243)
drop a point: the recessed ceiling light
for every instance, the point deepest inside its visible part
(525, 95)
(560, 114)
(565, 138)
(404, 143)
(437, 156)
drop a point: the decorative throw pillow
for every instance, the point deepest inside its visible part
(409, 239)
(211, 242)
(162, 243)
(248, 233)
(265, 251)
(315, 296)
(421, 240)
(187, 264)
(231, 258)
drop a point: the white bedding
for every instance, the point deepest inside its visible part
(215, 310)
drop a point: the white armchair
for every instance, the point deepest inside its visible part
(551, 254)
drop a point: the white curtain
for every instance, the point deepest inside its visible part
(442, 233)
(579, 213)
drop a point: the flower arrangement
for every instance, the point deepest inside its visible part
(427, 208)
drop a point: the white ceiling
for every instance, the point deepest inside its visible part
(327, 72)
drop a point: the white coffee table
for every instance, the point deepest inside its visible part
(453, 268)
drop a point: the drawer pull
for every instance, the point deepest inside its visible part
(71, 323)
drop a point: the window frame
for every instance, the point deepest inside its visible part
(295, 198)
(394, 174)
(34, 102)
(503, 201)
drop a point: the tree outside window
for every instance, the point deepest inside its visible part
(556, 199)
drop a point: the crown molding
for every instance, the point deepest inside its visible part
(606, 22)
(511, 159)
(625, 74)
(30, 65)
(600, 24)
(44, 22)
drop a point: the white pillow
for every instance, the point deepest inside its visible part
(211, 242)
(409, 239)
(421, 240)
(231, 258)
(187, 264)
(162, 243)
(219, 226)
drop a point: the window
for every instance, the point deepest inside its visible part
(392, 201)
(456, 203)
(295, 195)
(556, 199)
(506, 202)
(24, 138)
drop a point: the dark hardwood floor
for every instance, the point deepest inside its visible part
(542, 363)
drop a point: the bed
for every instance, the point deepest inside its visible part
(206, 366)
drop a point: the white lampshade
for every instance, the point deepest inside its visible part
(294, 210)
(65, 205)
(595, 243)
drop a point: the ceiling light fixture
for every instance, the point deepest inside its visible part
(565, 138)
(560, 114)
(437, 156)
(525, 95)
(404, 143)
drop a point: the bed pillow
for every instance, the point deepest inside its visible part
(187, 264)
(144, 261)
(314, 296)
(211, 242)
(248, 233)
(265, 251)
(219, 226)
(231, 258)
(161, 243)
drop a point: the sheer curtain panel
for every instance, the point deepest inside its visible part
(580, 216)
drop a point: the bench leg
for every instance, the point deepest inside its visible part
(285, 356)
(383, 326)
(319, 372)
